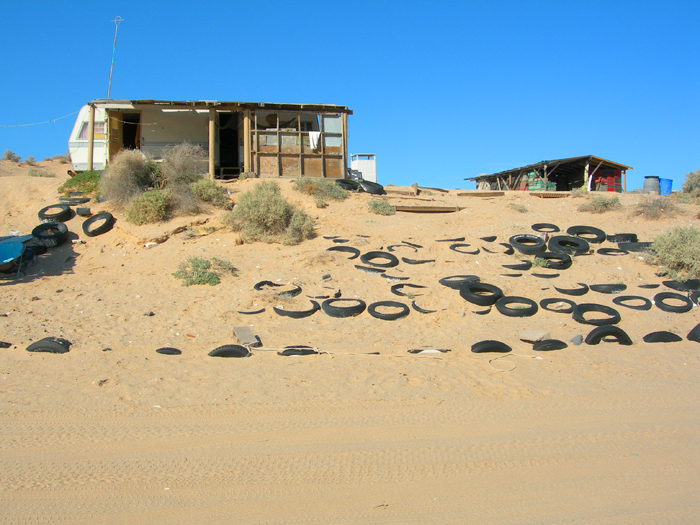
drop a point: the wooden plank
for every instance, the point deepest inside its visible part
(551, 194)
(245, 336)
(481, 193)
(429, 209)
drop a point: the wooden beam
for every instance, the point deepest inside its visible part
(585, 174)
(91, 139)
(345, 145)
(212, 143)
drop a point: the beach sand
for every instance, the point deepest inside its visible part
(603, 434)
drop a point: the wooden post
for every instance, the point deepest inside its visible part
(624, 178)
(585, 174)
(212, 143)
(246, 140)
(345, 146)
(91, 139)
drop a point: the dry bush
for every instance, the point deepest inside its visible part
(183, 165)
(209, 191)
(34, 172)
(262, 214)
(30, 160)
(692, 184)
(149, 207)
(10, 155)
(320, 188)
(600, 204)
(63, 159)
(518, 207)
(656, 208)
(128, 175)
(381, 207)
(578, 193)
(678, 251)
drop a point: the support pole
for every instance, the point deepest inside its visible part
(345, 146)
(624, 178)
(91, 138)
(212, 143)
(585, 174)
(246, 140)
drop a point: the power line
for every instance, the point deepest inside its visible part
(36, 123)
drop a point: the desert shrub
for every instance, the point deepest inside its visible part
(578, 193)
(209, 191)
(692, 183)
(381, 207)
(320, 188)
(262, 214)
(656, 208)
(678, 252)
(197, 270)
(148, 207)
(685, 198)
(518, 207)
(63, 159)
(182, 166)
(320, 203)
(34, 172)
(10, 155)
(600, 204)
(85, 181)
(30, 160)
(128, 175)
(538, 262)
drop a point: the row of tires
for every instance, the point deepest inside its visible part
(52, 234)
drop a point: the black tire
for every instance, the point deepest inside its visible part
(290, 293)
(403, 310)
(508, 247)
(659, 299)
(527, 244)
(548, 345)
(456, 239)
(490, 346)
(469, 292)
(411, 244)
(544, 303)
(345, 249)
(568, 245)
(168, 350)
(394, 278)
(263, 284)
(620, 301)
(648, 286)
(483, 312)
(372, 187)
(50, 234)
(230, 351)
(545, 227)
(546, 275)
(579, 231)
(370, 270)
(611, 251)
(396, 289)
(622, 237)
(297, 350)
(394, 246)
(63, 214)
(414, 261)
(690, 285)
(298, 314)
(457, 281)
(454, 248)
(50, 345)
(581, 309)
(489, 238)
(662, 337)
(340, 241)
(574, 291)
(608, 288)
(83, 212)
(555, 261)
(73, 201)
(331, 310)
(252, 313)
(421, 310)
(367, 258)
(694, 334)
(636, 246)
(511, 275)
(38, 250)
(107, 223)
(487, 250)
(523, 266)
(597, 334)
(531, 309)
(348, 184)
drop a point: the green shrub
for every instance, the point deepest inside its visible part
(324, 189)
(10, 155)
(538, 262)
(63, 159)
(381, 207)
(320, 203)
(692, 183)
(197, 270)
(34, 172)
(262, 214)
(148, 207)
(578, 193)
(678, 251)
(600, 204)
(85, 181)
(685, 198)
(128, 175)
(209, 191)
(518, 207)
(30, 160)
(655, 208)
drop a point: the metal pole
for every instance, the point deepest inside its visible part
(114, 47)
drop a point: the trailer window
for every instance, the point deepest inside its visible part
(99, 131)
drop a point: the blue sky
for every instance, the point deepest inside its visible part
(440, 90)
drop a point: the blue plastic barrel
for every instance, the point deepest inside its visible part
(665, 186)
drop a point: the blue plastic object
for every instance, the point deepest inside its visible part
(665, 186)
(9, 253)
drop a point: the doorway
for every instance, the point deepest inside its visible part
(229, 144)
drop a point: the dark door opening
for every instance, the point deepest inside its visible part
(229, 158)
(130, 133)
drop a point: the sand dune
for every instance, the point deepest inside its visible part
(590, 434)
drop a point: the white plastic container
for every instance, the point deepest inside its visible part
(365, 163)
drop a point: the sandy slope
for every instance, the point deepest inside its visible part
(590, 434)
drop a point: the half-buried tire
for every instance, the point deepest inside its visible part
(597, 335)
(489, 345)
(230, 351)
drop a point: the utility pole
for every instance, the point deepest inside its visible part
(114, 47)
